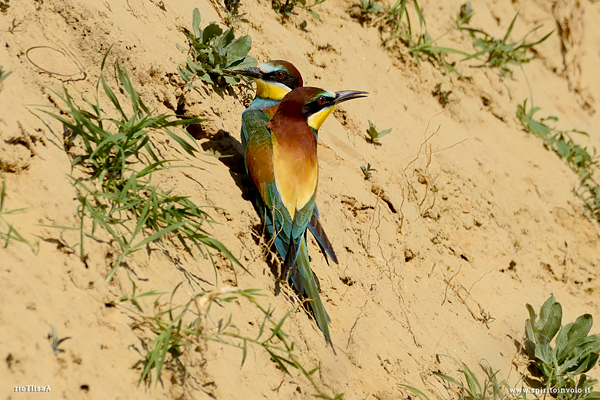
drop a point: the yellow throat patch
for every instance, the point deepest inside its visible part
(271, 90)
(316, 120)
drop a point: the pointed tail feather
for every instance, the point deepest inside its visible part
(290, 269)
(311, 291)
(318, 232)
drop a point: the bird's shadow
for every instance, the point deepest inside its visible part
(230, 152)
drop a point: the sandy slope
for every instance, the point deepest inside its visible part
(465, 212)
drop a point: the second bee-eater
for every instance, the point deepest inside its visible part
(274, 79)
(281, 157)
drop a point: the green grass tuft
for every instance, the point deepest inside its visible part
(177, 328)
(117, 194)
(499, 53)
(395, 25)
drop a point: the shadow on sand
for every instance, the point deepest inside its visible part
(230, 153)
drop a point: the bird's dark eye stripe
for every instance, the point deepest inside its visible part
(322, 101)
(316, 105)
(283, 77)
(277, 75)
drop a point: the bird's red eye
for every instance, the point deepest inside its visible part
(321, 100)
(280, 75)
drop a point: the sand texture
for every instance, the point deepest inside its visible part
(465, 217)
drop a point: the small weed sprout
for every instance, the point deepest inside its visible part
(212, 53)
(370, 6)
(374, 135)
(367, 171)
(443, 96)
(486, 317)
(4, 4)
(464, 15)
(7, 230)
(559, 141)
(367, 11)
(233, 17)
(286, 7)
(4, 75)
(55, 342)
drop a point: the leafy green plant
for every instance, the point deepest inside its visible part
(7, 230)
(577, 157)
(561, 370)
(563, 367)
(367, 171)
(559, 141)
(212, 53)
(119, 162)
(500, 53)
(286, 7)
(177, 330)
(374, 135)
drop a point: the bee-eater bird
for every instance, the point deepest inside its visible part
(281, 157)
(274, 79)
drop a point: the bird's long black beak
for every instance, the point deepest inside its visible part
(346, 95)
(252, 72)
